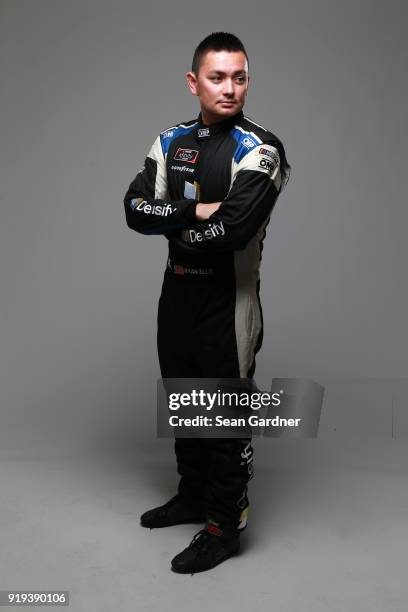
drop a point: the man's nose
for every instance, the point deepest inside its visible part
(228, 87)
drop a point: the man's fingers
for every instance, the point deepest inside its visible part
(204, 211)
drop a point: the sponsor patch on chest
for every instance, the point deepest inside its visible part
(186, 155)
(203, 132)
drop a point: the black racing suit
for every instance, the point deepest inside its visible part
(210, 317)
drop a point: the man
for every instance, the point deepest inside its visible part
(209, 185)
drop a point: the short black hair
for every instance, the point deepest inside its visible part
(217, 41)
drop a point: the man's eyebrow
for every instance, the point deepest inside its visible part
(243, 71)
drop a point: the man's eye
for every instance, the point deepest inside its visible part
(241, 79)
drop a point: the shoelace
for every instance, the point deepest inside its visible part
(202, 541)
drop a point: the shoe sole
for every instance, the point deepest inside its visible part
(224, 558)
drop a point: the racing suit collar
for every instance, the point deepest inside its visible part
(203, 132)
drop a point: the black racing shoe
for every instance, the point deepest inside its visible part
(206, 550)
(175, 512)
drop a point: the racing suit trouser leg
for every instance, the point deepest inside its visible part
(197, 339)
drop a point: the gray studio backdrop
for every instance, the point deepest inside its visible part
(86, 88)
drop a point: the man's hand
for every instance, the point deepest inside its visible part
(204, 211)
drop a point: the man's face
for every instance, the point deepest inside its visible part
(221, 84)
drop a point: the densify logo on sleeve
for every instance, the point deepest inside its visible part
(162, 210)
(213, 231)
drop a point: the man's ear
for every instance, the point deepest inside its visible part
(192, 83)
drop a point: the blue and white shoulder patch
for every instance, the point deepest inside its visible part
(246, 141)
